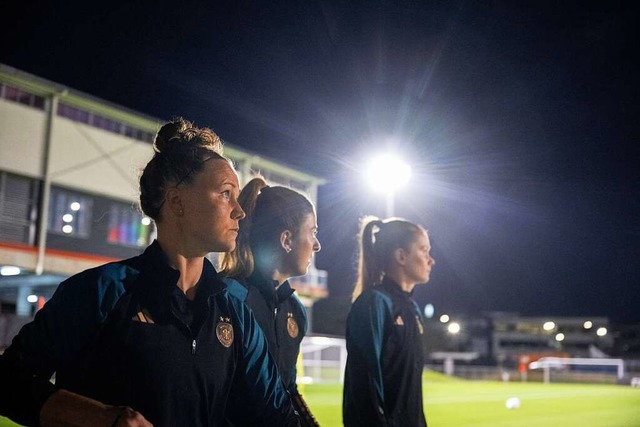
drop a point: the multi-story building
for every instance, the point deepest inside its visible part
(69, 164)
(513, 335)
(506, 337)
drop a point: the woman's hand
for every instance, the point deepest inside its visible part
(66, 409)
(127, 417)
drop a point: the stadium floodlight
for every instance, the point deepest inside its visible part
(32, 298)
(560, 337)
(387, 173)
(601, 332)
(549, 326)
(588, 324)
(444, 318)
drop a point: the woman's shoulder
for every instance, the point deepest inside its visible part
(99, 287)
(375, 296)
(235, 288)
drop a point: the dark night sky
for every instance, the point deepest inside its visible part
(520, 120)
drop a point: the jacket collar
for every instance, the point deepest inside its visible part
(158, 279)
(267, 288)
(394, 288)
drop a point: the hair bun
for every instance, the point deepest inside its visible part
(181, 136)
(170, 130)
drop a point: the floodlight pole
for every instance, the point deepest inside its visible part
(390, 204)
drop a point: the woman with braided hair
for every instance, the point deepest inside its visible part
(277, 241)
(155, 339)
(383, 377)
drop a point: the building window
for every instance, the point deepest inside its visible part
(75, 114)
(18, 199)
(127, 226)
(70, 213)
(11, 93)
(100, 122)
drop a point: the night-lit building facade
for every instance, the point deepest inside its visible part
(505, 337)
(69, 164)
(577, 336)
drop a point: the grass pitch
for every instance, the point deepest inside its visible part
(453, 402)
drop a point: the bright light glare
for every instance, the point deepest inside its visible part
(9, 270)
(67, 229)
(388, 173)
(549, 326)
(560, 337)
(146, 220)
(453, 328)
(67, 217)
(305, 380)
(32, 298)
(444, 318)
(75, 206)
(429, 309)
(588, 324)
(601, 332)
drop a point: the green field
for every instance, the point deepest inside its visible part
(452, 402)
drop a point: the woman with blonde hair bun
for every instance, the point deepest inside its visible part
(155, 339)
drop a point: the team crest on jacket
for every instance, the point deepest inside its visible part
(292, 326)
(420, 328)
(224, 331)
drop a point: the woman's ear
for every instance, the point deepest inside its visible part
(286, 240)
(400, 255)
(174, 201)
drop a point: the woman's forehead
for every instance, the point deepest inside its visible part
(421, 236)
(220, 171)
(310, 221)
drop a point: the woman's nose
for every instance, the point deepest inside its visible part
(237, 212)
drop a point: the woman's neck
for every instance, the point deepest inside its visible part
(266, 270)
(190, 267)
(398, 277)
(279, 277)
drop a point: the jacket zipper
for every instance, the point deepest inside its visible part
(275, 325)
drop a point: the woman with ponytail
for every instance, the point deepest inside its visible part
(277, 241)
(383, 377)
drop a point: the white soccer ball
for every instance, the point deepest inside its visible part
(512, 403)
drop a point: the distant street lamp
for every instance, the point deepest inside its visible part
(387, 174)
(453, 328)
